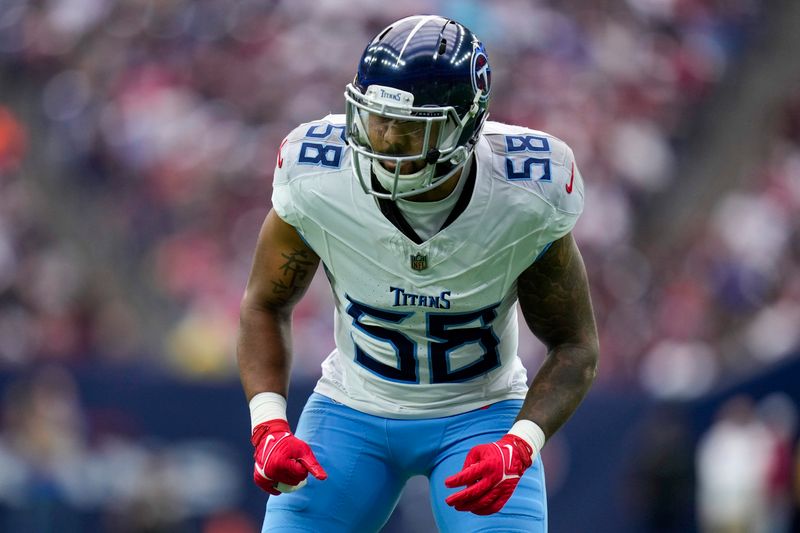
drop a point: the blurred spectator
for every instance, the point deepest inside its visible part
(42, 452)
(733, 462)
(779, 415)
(796, 506)
(12, 141)
(663, 476)
(58, 474)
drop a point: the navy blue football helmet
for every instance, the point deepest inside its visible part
(426, 69)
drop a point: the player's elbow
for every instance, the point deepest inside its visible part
(581, 357)
(586, 357)
(592, 361)
(591, 355)
(251, 306)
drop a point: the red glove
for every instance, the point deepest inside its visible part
(282, 460)
(491, 473)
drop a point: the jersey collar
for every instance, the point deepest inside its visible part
(393, 214)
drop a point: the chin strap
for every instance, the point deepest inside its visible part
(402, 183)
(433, 156)
(423, 179)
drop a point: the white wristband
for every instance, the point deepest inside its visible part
(531, 433)
(266, 406)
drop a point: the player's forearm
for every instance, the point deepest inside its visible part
(560, 386)
(263, 350)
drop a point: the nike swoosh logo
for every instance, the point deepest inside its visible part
(510, 454)
(266, 445)
(280, 155)
(262, 464)
(571, 178)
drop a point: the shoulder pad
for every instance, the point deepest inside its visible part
(327, 129)
(539, 162)
(312, 147)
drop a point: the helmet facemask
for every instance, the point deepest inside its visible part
(440, 129)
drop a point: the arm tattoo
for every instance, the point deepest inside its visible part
(553, 296)
(294, 272)
(555, 302)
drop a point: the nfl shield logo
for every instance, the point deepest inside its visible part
(419, 262)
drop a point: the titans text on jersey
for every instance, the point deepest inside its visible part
(404, 298)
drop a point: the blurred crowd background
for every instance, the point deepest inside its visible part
(137, 143)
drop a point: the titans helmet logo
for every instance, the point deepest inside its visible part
(481, 72)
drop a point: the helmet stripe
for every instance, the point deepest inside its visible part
(413, 32)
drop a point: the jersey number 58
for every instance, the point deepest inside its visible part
(445, 334)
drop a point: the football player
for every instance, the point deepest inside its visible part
(431, 223)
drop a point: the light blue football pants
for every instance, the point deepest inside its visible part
(369, 459)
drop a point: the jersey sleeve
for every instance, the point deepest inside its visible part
(282, 200)
(309, 151)
(544, 166)
(565, 193)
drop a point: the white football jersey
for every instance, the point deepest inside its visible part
(427, 330)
